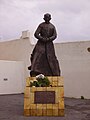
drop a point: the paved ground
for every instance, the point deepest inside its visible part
(11, 108)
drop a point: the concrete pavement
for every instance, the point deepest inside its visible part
(11, 108)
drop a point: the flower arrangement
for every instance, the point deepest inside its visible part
(40, 81)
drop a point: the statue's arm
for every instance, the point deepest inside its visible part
(54, 36)
(37, 33)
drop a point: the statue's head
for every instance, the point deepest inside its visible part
(47, 17)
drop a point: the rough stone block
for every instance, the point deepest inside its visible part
(33, 112)
(27, 92)
(55, 112)
(27, 112)
(60, 112)
(61, 103)
(32, 108)
(39, 112)
(27, 103)
(49, 112)
(44, 112)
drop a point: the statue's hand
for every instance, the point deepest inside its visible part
(47, 39)
(44, 39)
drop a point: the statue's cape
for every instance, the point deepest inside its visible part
(43, 59)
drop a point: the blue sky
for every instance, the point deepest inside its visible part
(71, 18)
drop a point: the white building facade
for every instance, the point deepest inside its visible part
(74, 60)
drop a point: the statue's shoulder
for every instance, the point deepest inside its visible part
(52, 25)
(41, 24)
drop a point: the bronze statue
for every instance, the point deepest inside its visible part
(43, 59)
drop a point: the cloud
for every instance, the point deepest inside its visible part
(71, 18)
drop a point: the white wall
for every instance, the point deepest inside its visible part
(11, 77)
(74, 60)
(17, 50)
(73, 57)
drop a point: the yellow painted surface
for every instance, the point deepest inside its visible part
(49, 106)
(49, 112)
(60, 81)
(33, 89)
(54, 81)
(57, 109)
(60, 112)
(27, 92)
(27, 112)
(33, 112)
(26, 103)
(33, 106)
(39, 112)
(55, 112)
(61, 104)
(44, 112)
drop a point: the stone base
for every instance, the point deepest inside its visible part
(36, 106)
(46, 112)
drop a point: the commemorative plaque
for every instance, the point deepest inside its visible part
(44, 97)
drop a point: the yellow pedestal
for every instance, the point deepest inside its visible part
(56, 109)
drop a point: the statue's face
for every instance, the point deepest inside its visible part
(47, 18)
